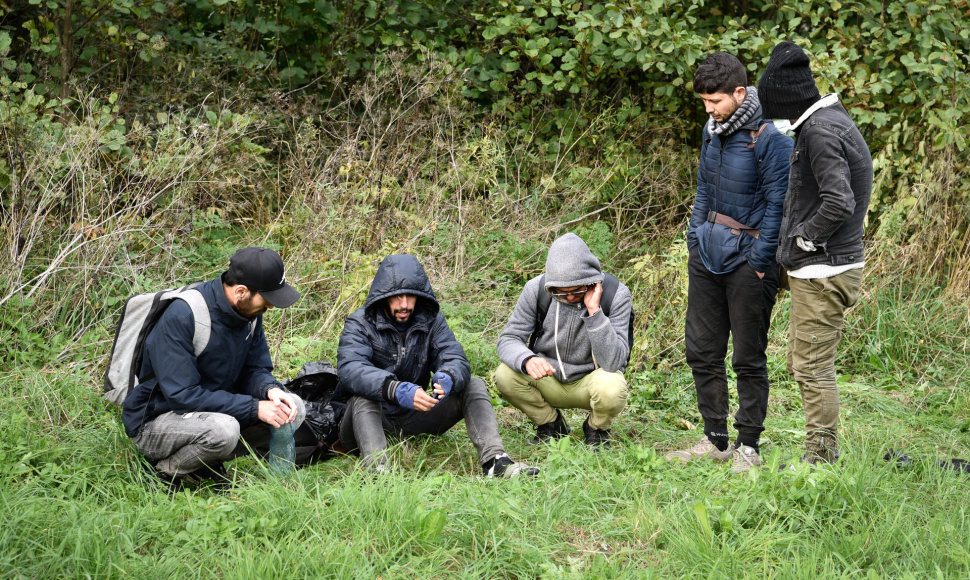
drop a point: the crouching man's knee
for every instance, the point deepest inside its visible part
(476, 389)
(509, 381)
(220, 436)
(608, 392)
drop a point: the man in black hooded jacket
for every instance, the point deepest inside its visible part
(821, 237)
(390, 351)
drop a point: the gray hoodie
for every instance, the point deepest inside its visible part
(574, 342)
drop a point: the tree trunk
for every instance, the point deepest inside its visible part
(67, 45)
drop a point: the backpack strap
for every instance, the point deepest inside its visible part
(203, 322)
(610, 284)
(543, 300)
(755, 136)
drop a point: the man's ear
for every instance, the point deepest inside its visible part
(240, 292)
(740, 93)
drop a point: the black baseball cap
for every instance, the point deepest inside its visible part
(261, 270)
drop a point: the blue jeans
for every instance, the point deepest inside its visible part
(180, 444)
(364, 424)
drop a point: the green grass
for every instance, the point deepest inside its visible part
(76, 503)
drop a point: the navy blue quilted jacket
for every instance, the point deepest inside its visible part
(731, 182)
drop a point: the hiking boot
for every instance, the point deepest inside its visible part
(821, 456)
(704, 449)
(551, 430)
(502, 466)
(596, 438)
(745, 458)
(821, 447)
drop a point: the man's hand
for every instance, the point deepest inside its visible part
(806, 245)
(539, 368)
(592, 298)
(423, 401)
(279, 409)
(411, 396)
(443, 384)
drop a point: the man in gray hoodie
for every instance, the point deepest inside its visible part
(566, 345)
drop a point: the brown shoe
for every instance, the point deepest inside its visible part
(745, 458)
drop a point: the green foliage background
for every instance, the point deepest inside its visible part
(142, 141)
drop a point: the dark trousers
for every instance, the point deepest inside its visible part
(364, 423)
(718, 305)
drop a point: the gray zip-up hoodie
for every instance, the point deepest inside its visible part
(573, 342)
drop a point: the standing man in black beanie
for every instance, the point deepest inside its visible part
(821, 233)
(732, 274)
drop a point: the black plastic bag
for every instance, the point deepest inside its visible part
(315, 384)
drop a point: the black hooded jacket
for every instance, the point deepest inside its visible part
(828, 192)
(374, 355)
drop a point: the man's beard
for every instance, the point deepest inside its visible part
(246, 309)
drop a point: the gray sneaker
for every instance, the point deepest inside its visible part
(745, 458)
(702, 450)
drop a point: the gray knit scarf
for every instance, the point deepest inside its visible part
(750, 108)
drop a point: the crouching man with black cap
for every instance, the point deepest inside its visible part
(820, 242)
(192, 413)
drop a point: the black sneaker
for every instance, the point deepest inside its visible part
(596, 438)
(503, 467)
(221, 482)
(165, 481)
(551, 430)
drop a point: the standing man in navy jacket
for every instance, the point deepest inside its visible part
(732, 273)
(191, 414)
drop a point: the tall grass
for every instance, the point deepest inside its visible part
(77, 503)
(398, 164)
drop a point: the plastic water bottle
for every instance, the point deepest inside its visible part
(282, 449)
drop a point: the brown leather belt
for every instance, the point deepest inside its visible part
(736, 226)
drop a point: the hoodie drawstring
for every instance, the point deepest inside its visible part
(555, 335)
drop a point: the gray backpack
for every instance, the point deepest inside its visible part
(138, 316)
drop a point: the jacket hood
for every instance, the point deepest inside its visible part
(570, 263)
(400, 274)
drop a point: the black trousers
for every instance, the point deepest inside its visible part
(737, 304)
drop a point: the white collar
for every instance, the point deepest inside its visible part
(826, 101)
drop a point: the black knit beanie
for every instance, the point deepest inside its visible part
(786, 88)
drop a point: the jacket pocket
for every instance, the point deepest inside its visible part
(720, 247)
(384, 358)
